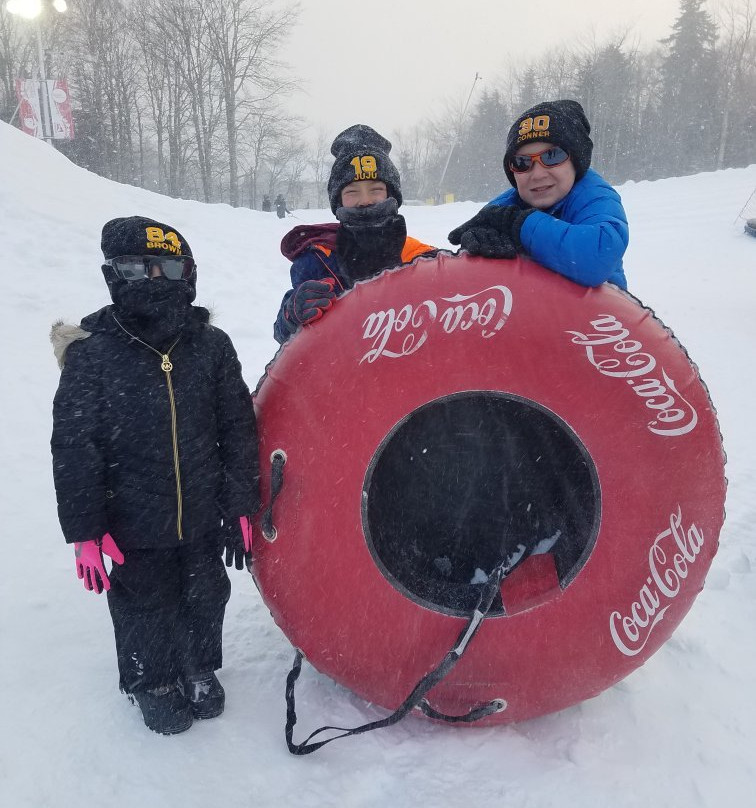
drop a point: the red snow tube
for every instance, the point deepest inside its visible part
(447, 412)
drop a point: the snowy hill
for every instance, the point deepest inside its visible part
(680, 731)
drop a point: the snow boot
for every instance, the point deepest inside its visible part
(205, 694)
(165, 709)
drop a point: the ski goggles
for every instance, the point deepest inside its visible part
(137, 267)
(553, 156)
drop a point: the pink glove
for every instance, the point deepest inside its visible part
(89, 562)
(246, 528)
(238, 541)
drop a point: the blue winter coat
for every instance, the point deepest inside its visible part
(582, 237)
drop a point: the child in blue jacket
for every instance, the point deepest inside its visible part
(560, 212)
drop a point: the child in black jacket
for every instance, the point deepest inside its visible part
(155, 464)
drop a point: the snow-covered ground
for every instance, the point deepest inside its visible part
(680, 731)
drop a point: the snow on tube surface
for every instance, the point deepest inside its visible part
(443, 413)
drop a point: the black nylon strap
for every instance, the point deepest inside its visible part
(278, 460)
(416, 697)
(495, 706)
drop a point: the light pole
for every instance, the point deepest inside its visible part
(31, 10)
(477, 78)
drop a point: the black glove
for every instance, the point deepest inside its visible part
(370, 239)
(494, 232)
(309, 301)
(238, 546)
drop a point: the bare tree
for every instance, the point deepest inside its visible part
(15, 60)
(296, 167)
(103, 80)
(420, 155)
(182, 83)
(264, 131)
(552, 76)
(285, 163)
(320, 163)
(736, 49)
(243, 36)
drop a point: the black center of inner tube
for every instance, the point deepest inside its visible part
(462, 482)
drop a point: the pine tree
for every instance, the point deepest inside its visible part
(604, 85)
(689, 104)
(528, 94)
(478, 173)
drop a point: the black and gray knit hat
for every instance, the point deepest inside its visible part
(138, 235)
(361, 154)
(562, 123)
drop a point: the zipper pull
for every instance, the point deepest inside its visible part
(166, 364)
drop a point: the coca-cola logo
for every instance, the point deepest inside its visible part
(670, 558)
(398, 332)
(674, 414)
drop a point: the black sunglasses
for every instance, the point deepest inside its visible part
(553, 156)
(138, 267)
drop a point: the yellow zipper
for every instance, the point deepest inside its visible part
(167, 367)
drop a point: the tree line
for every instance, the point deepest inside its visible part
(186, 97)
(684, 105)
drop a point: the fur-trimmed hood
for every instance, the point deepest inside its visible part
(64, 334)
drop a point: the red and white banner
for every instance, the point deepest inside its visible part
(56, 121)
(60, 109)
(29, 113)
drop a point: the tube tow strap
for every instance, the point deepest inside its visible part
(416, 698)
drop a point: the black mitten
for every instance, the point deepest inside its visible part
(488, 242)
(370, 239)
(494, 232)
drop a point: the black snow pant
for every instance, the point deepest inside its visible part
(167, 608)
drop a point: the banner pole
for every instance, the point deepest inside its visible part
(15, 112)
(44, 99)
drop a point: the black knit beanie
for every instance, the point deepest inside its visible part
(562, 123)
(361, 154)
(138, 235)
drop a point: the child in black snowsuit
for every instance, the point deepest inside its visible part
(155, 464)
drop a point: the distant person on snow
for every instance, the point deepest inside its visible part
(266, 206)
(560, 212)
(155, 464)
(365, 194)
(281, 209)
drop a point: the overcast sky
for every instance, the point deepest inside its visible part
(390, 63)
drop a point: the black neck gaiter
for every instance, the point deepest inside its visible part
(154, 310)
(370, 239)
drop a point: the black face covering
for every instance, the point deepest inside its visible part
(370, 239)
(154, 310)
